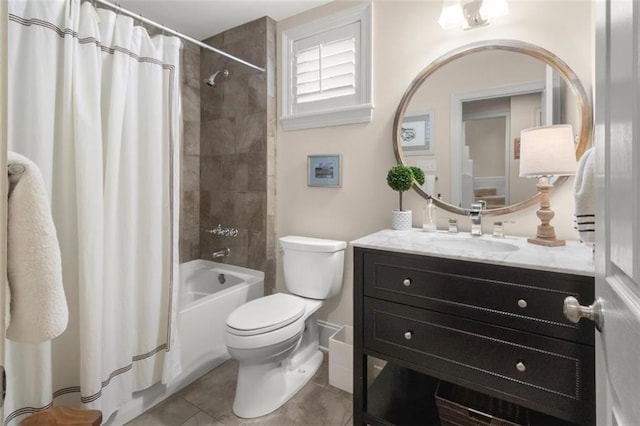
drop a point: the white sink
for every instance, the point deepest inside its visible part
(470, 243)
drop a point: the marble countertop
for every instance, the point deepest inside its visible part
(574, 258)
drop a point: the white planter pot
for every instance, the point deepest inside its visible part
(401, 220)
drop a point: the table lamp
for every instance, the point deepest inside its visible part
(544, 152)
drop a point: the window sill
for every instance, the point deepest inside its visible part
(335, 117)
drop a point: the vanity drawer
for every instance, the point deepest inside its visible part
(531, 370)
(526, 299)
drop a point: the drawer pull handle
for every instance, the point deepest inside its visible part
(521, 367)
(406, 282)
(408, 335)
(522, 303)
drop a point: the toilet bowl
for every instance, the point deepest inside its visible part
(275, 338)
(268, 374)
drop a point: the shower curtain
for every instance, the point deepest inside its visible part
(94, 101)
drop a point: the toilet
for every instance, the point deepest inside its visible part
(275, 338)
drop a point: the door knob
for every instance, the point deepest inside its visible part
(574, 311)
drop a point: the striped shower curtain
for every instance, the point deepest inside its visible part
(94, 101)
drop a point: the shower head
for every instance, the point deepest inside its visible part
(211, 81)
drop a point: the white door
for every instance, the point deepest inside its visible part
(617, 136)
(3, 188)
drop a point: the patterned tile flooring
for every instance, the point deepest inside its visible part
(208, 401)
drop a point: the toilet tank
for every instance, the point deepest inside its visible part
(312, 267)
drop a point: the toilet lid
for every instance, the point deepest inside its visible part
(265, 314)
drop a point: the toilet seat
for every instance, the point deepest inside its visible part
(289, 334)
(265, 314)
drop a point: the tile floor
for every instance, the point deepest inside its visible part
(208, 401)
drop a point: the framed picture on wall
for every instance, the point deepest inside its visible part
(417, 134)
(324, 170)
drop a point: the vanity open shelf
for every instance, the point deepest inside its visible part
(484, 325)
(402, 396)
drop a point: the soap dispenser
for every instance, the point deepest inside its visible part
(428, 216)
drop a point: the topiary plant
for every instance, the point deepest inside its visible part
(401, 178)
(418, 174)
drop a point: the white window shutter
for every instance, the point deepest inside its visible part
(325, 71)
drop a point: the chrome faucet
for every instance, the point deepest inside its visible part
(221, 253)
(476, 217)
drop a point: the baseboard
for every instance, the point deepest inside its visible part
(326, 330)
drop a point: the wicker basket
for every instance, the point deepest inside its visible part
(458, 406)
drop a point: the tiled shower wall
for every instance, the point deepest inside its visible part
(190, 176)
(237, 148)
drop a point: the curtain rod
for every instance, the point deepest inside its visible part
(176, 33)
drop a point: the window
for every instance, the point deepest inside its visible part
(326, 71)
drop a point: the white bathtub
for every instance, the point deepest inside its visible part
(204, 305)
(209, 293)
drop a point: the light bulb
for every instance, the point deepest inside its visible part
(451, 15)
(493, 8)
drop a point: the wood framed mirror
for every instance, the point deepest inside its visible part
(461, 117)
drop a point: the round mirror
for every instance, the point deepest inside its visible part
(461, 117)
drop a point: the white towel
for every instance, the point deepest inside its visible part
(584, 189)
(34, 269)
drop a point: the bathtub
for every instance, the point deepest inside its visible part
(209, 292)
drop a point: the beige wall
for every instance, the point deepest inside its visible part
(406, 39)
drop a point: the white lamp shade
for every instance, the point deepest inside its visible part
(547, 150)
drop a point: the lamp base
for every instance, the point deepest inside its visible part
(546, 235)
(546, 243)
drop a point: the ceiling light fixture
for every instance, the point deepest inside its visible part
(470, 13)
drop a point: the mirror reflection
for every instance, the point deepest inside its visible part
(460, 121)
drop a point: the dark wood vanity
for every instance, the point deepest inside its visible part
(496, 330)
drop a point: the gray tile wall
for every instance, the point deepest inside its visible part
(190, 176)
(237, 148)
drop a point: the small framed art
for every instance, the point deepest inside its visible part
(324, 170)
(417, 134)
